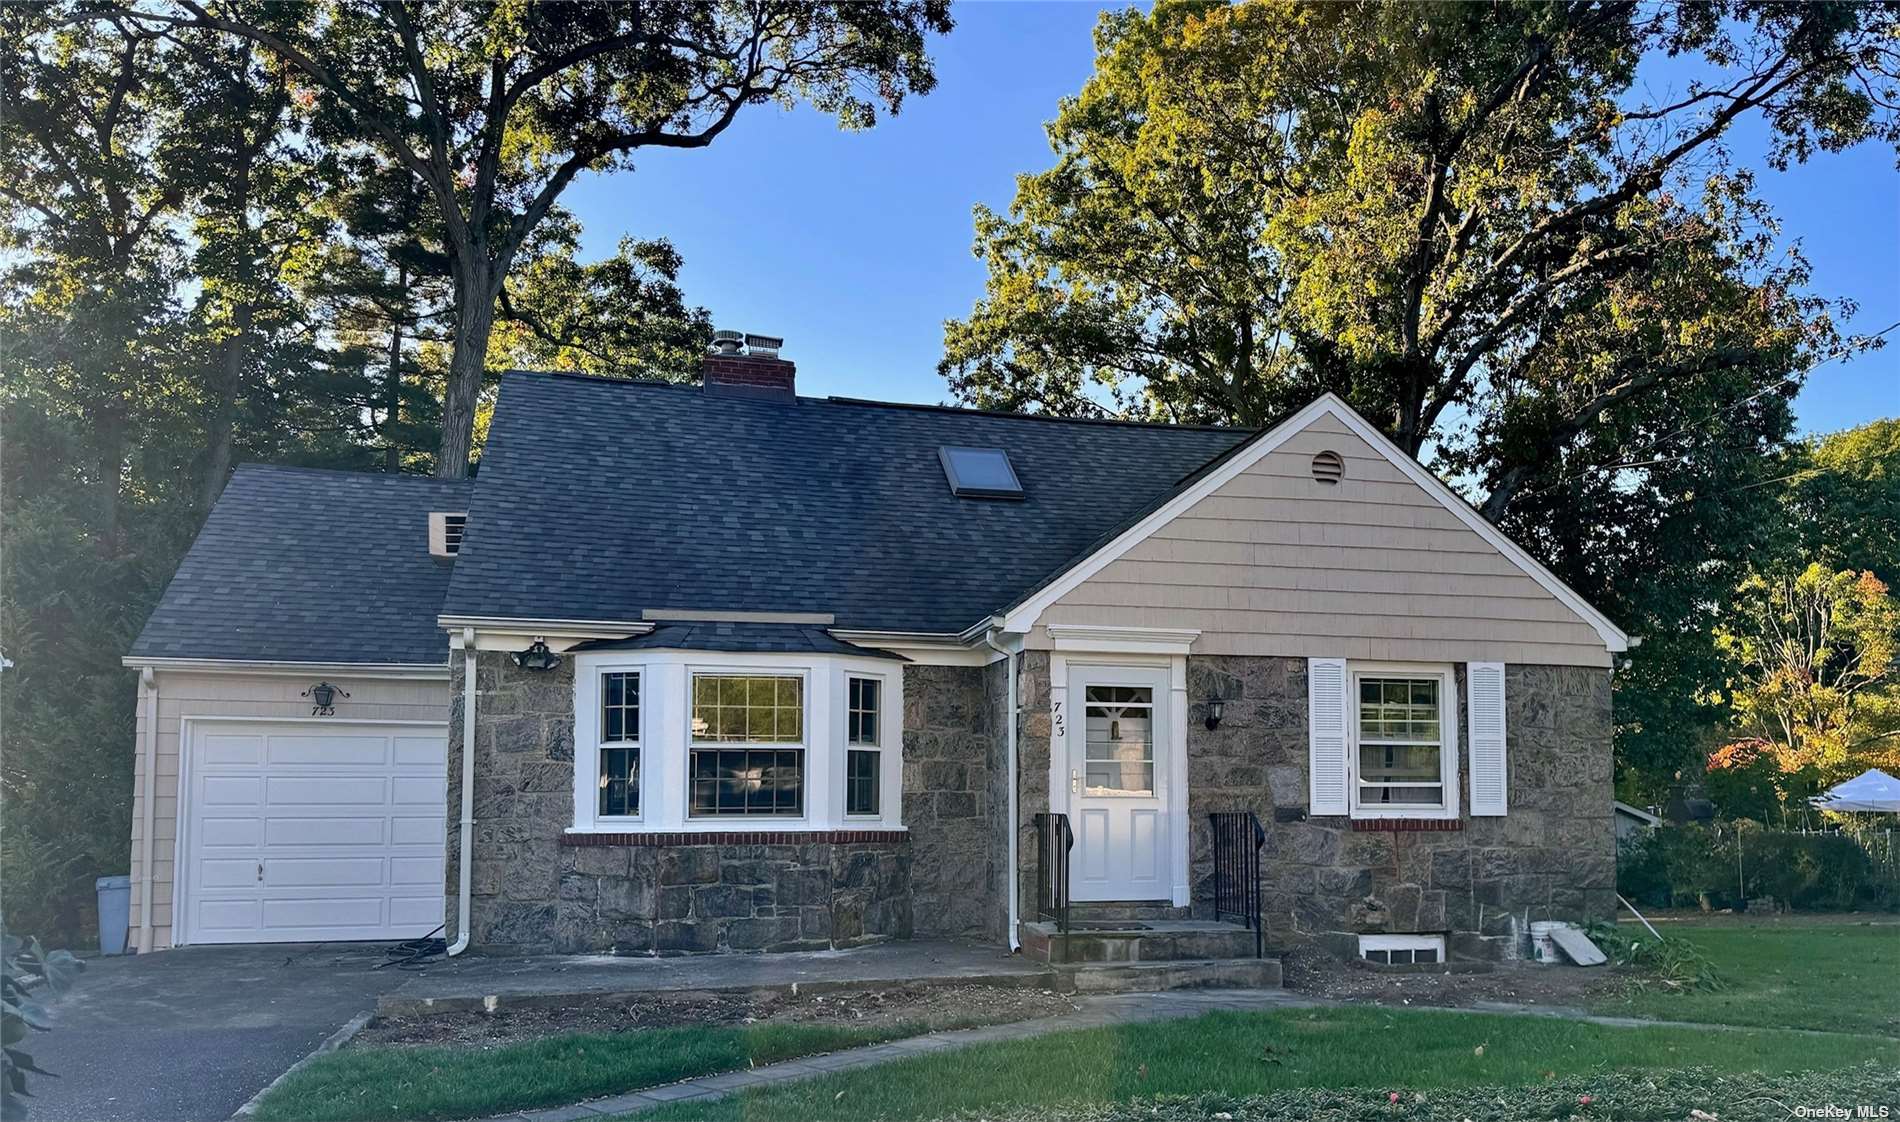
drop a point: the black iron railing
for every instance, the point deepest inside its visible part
(1238, 839)
(1054, 840)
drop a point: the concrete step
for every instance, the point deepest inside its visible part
(1108, 910)
(1154, 977)
(1131, 941)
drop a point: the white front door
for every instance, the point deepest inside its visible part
(307, 831)
(1118, 783)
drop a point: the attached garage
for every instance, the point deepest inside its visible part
(310, 830)
(260, 815)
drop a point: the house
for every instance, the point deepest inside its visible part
(1632, 822)
(717, 667)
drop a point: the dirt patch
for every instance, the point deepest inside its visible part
(1316, 973)
(930, 1007)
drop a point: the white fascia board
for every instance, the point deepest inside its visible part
(340, 669)
(579, 628)
(1024, 616)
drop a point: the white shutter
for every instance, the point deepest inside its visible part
(1326, 722)
(1490, 777)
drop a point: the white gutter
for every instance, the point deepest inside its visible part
(149, 822)
(467, 837)
(1009, 769)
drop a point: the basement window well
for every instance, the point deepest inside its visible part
(980, 473)
(1402, 950)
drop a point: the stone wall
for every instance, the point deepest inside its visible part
(952, 784)
(1553, 856)
(530, 892)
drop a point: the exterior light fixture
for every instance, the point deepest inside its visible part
(323, 697)
(1215, 707)
(537, 657)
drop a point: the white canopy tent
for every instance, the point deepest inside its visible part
(1871, 792)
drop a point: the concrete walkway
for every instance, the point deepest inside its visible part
(474, 982)
(1096, 1012)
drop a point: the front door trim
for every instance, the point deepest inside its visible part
(1173, 736)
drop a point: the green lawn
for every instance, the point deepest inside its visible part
(1257, 1053)
(1839, 977)
(375, 1084)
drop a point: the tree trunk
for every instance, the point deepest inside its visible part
(392, 461)
(474, 319)
(223, 423)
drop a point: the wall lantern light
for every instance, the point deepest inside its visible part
(323, 697)
(1215, 707)
(537, 657)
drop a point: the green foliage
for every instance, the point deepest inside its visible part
(1675, 963)
(26, 968)
(1690, 866)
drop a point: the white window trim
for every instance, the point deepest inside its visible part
(1448, 731)
(589, 728)
(666, 740)
(889, 732)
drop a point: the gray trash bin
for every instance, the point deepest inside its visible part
(115, 913)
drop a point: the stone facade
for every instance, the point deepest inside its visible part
(954, 796)
(1553, 856)
(531, 891)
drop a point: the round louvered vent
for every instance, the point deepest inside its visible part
(1328, 467)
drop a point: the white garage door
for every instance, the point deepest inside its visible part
(307, 831)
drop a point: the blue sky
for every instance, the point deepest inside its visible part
(856, 246)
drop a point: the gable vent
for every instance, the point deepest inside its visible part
(445, 532)
(1328, 467)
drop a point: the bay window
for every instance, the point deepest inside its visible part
(722, 741)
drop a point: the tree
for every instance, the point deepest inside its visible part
(1814, 685)
(621, 315)
(495, 109)
(1475, 224)
(1844, 497)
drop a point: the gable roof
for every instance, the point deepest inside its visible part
(311, 566)
(600, 499)
(1023, 613)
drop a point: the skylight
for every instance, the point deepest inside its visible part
(980, 473)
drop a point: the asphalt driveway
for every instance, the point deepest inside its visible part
(191, 1034)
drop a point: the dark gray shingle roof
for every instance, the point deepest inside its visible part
(788, 638)
(302, 565)
(599, 499)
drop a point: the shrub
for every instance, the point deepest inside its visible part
(1674, 962)
(1693, 865)
(24, 970)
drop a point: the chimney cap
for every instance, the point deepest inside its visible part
(765, 346)
(726, 342)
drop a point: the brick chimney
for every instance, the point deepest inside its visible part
(748, 365)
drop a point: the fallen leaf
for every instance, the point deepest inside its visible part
(1479, 1050)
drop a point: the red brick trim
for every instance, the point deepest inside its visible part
(742, 837)
(1408, 825)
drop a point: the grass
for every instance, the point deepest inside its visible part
(1242, 1054)
(377, 1084)
(1833, 976)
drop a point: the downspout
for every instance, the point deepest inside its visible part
(467, 835)
(1009, 770)
(147, 845)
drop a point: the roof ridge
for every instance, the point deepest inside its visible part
(866, 402)
(348, 473)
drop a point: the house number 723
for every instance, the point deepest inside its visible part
(1055, 718)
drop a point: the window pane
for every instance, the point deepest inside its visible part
(747, 781)
(620, 707)
(861, 711)
(1398, 709)
(746, 709)
(1404, 763)
(1118, 749)
(861, 783)
(619, 782)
